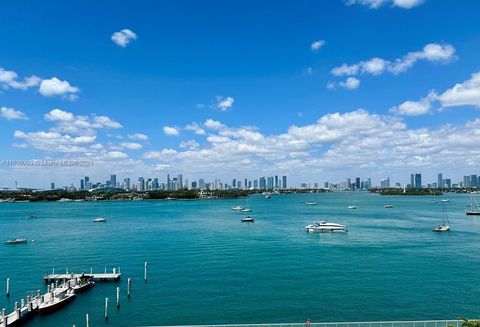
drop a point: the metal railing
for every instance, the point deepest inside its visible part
(419, 323)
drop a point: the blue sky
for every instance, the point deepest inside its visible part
(284, 108)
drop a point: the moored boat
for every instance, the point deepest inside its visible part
(312, 203)
(238, 208)
(248, 219)
(100, 220)
(352, 207)
(388, 206)
(57, 300)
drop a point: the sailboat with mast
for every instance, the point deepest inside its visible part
(445, 226)
(474, 207)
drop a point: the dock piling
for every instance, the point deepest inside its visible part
(129, 285)
(145, 272)
(118, 298)
(8, 287)
(106, 308)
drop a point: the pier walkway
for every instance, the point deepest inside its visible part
(115, 276)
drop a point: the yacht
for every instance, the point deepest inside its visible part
(16, 241)
(65, 200)
(445, 226)
(100, 220)
(246, 210)
(445, 200)
(312, 203)
(79, 286)
(59, 298)
(474, 208)
(324, 227)
(248, 219)
(388, 206)
(238, 208)
(268, 196)
(352, 207)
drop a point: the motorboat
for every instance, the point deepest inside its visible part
(248, 219)
(16, 241)
(65, 200)
(268, 196)
(58, 299)
(238, 208)
(388, 206)
(81, 285)
(445, 200)
(325, 227)
(246, 210)
(313, 203)
(32, 217)
(352, 207)
(170, 198)
(100, 220)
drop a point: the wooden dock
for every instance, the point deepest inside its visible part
(114, 276)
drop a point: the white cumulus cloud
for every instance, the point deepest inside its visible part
(56, 87)
(12, 114)
(317, 45)
(123, 37)
(224, 103)
(171, 131)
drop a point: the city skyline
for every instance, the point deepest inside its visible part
(346, 90)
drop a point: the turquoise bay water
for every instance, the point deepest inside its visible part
(206, 267)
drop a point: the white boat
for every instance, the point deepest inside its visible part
(352, 207)
(65, 200)
(445, 200)
(324, 227)
(445, 226)
(238, 208)
(388, 206)
(100, 220)
(268, 196)
(16, 241)
(248, 219)
(312, 203)
(58, 298)
(474, 208)
(246, 210)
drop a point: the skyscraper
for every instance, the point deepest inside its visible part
(126, 183)
(262, 182)
(52, 186)
(201, 184)
(412, 180)
(276, 181)
(113, 180)
(270, 183)
(179, 182)
(87, 183)
(474, 181)
(82, 184)
(440, 180)
(284, 182)
(141, 184)
(418, 180)
(357, 183)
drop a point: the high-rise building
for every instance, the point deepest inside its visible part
(245, 184)
(113, 180)
(234, 183)
(467, 181)
(474, 181)
(126, 183)
(201, 184)
(276, 181)
(447, 183)
(194, 185)
(262, 183)
(255, 183)
(270, 182)
(385, 183)
(440, 180)
(418, 180)
(82, 184)
(357, 183)
(284, 182)
(87, 183)
(141, 184)
(412, 180)
(179, 185)
(52, 186)
(349, 183)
